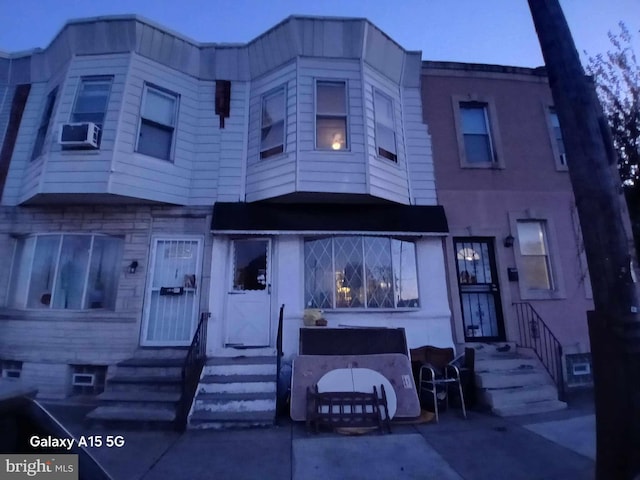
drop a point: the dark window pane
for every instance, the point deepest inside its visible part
(477, 148)
(330, 98)
(155, 140)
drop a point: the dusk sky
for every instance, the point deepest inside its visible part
(481, 31)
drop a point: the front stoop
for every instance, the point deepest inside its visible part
(513, 382)
(236, 392)
(143, 393)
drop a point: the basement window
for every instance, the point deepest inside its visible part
(88, 379)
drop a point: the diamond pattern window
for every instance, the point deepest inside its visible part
(360, 272)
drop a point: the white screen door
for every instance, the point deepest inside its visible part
(248, 308)
(171, 301)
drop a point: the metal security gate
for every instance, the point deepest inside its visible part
(171, 301)
(479, 290)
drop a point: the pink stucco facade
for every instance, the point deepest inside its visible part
(525, 181)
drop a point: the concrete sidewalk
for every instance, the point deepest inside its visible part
(559, 445)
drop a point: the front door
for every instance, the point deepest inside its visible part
(479, 290)
(171, 300)
(248, 305)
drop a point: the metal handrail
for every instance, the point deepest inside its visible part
(191, 370)
(535, 334)
(278, 360)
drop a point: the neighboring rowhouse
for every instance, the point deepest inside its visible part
(515, 253)
(147, 178)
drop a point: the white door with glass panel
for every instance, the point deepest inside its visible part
(248, 305)
(171, 301)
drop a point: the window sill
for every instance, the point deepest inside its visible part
(100, 315)
(371, 310)
(483, 166)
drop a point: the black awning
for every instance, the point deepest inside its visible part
(329, 217)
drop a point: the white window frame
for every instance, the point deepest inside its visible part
(328, 114)
(105, 79)
(29, 273)
(555, 267)
(559, 158)
(273, 151)
(493, 132)
(381, 152)
(174, 120)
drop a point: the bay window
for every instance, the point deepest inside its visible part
(69, 271)
(157, 122)
(362, 272)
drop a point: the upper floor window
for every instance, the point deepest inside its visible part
(157, 122)
(272, 124)
(70, 271)
(561, 156)
(43, 128)
(385, 126)
(534, 251)
(476, 132)
(331, 115)
(360, 272)
(92, 101)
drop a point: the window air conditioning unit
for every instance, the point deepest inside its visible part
(83, 380)
(79, 135)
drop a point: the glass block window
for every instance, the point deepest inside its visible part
(360, 272)
(10, 369)
(88, 379)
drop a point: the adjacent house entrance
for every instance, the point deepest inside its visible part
(248, 305)
(171, 300)
(479, 289)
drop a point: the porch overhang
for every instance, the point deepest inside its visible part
(306, 218)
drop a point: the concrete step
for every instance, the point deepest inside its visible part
(224, 420)
(241, 369)
(512, 378)
(133, 415)
(144, 383)
(237, 384)
(529, 408)
(234, 402)
(150, 366)
(242, 360)
(505, 397)
(139, 397)
(510, 362)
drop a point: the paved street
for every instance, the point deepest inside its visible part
(558, 445)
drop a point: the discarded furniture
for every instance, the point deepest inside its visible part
(310, 370)
(347, 409)
(436, 373)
